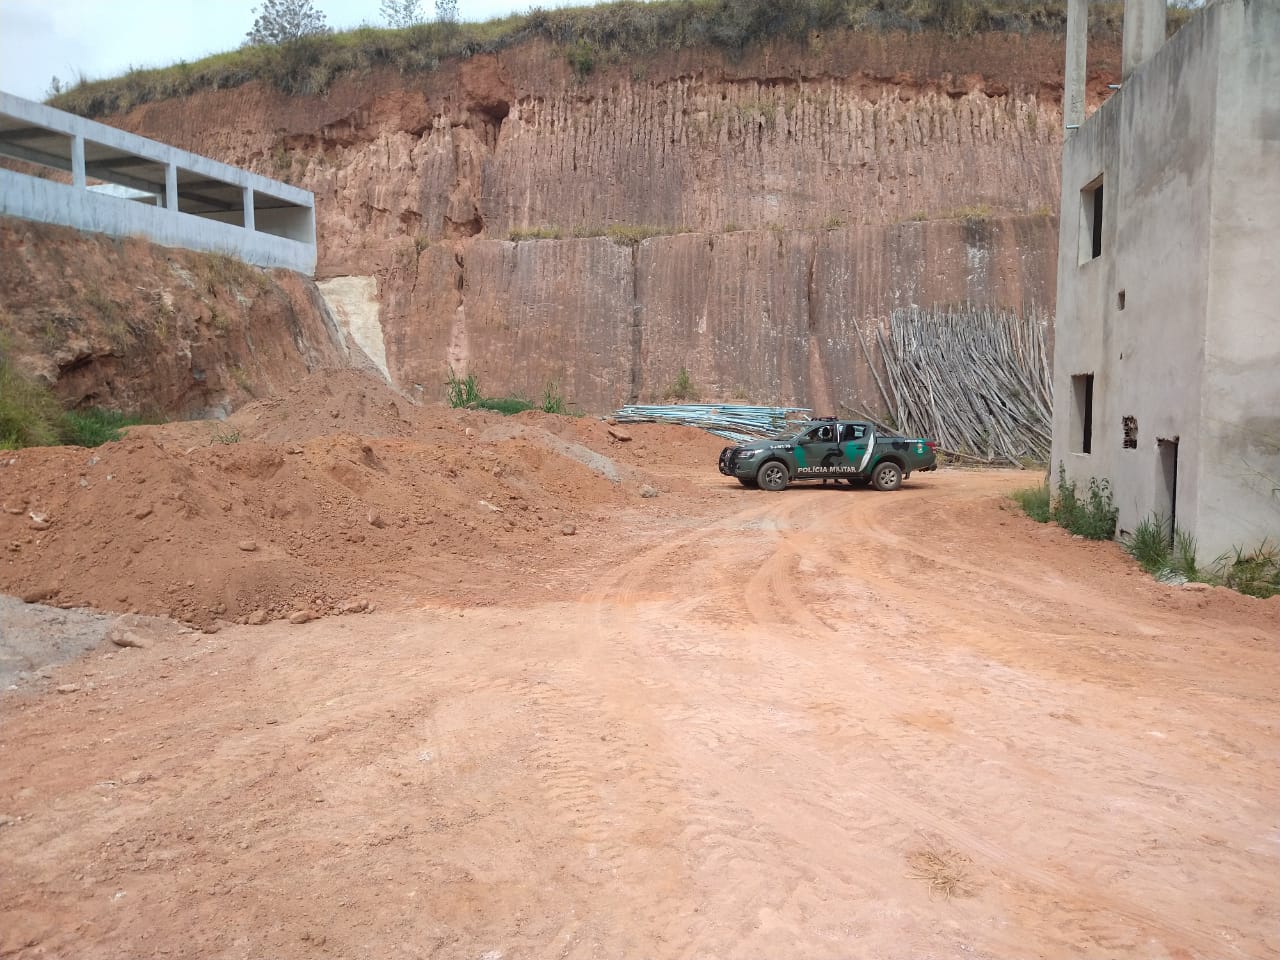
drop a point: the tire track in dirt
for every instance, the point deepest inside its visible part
(724, 848)
(772, 599)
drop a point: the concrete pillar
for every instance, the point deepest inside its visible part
(248, 208)
(1075, 72)
(77, 161)
(171, 186)
(1144, 32)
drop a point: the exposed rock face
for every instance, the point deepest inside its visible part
(132, 326)
(800, 174)
(780, 316)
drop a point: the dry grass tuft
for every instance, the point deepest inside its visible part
(946, 871)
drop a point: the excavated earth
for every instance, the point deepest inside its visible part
(585, 720)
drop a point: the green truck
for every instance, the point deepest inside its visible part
(829, 449)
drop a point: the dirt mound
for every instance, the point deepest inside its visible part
(339, 491)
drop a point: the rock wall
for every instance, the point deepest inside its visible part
(769, 316)
(800, 190)
(131, 326)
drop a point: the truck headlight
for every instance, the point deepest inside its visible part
(747, 454)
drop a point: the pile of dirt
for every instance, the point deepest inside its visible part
(337, 494)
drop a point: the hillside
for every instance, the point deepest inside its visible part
(739, 210)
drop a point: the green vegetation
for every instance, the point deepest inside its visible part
(1035, 502)
(1254, 572)
(31, 416)
(462, 391)
(465, 392)
(93, 426)
(586, 37)
(535, 233)
(682, 388)
(1093, 518)
(225, 436)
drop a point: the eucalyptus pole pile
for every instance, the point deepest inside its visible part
(975, 380)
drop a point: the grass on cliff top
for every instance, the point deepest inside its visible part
(585, 37)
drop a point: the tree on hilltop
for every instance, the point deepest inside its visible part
(282, 21)
(402, 13)
(447, 11)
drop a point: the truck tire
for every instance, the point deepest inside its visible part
(772, 475)
(886, 476)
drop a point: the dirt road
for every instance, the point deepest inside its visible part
(824, 723)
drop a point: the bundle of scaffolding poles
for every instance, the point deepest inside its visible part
(737, 422)
(974, 379)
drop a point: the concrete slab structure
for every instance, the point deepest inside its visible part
(169, 196)
(1167, 353)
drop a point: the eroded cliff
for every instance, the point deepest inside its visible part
(757, 210)
(131, 326)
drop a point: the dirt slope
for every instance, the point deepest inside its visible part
(826, 723)
(337, 492)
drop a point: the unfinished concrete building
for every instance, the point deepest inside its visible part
(1167, 354)
(125, 185)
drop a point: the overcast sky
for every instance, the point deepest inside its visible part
(41, 39)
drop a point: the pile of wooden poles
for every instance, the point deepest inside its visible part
(974, 379)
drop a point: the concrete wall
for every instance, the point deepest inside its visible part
(46, 201)
(1188, 157)
(1240, 451)
(284, 238)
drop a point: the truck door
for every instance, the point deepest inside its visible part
(857, 442)
(818, 452)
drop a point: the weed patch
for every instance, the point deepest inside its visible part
(1255, 572)
(1035, 502)
(94, 426)
(682, 388)
(1094, 517)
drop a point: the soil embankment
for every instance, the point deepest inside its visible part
(337, 492)
(132, 326)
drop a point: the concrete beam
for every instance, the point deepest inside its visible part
(1075, 73)
(171, 186)
(248, 209)
(77, 161)
(1144, 32)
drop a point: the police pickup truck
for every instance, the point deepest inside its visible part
(829, 449)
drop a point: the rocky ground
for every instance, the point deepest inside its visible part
(710, 723)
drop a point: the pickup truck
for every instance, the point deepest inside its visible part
(829, 449)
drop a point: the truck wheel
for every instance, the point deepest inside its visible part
(772, 475)
(887, 476)
(747, 481)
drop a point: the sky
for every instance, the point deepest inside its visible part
(41, 39)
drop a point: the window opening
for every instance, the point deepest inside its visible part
(1082, 413)
(1091, 221)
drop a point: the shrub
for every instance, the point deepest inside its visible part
(1094, 518)
(1256, 572)
(94, 426)
(464, 391)
(503, 405)
(29, 412)
(1149, 544)
(552, 401)
(682, 388)
(1034, 502)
